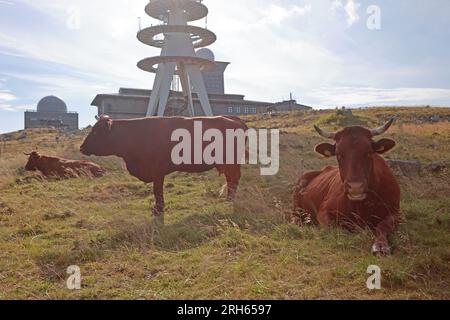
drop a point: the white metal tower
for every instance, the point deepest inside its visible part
(178, 55)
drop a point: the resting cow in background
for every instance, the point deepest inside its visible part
(361, 192)
(56, 167)
(146, 147)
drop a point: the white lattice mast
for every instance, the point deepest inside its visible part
(177, 52)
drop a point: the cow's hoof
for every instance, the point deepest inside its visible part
(159, 220)
(381, 250)
(231, 196)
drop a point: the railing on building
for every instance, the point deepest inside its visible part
(34, 111)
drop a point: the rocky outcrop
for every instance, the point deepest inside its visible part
(405, 168)
(412, 168)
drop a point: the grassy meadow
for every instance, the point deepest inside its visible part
(210, 248)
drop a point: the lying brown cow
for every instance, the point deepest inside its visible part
(56, 167)
(361, 192)
(146, 147)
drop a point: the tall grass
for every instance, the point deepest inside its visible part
(209, 247)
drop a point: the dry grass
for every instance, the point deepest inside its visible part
(208, 247)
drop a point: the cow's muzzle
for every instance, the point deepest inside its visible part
(356, 191)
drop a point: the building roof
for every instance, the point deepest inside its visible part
(51, 104)
(131, 93)
(293, 104)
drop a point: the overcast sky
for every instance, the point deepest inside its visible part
(321, 50)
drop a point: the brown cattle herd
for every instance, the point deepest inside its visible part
(361, 192)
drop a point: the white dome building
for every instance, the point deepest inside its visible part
(214, 78)
(51, 104)
(51, 112)
(206, 53)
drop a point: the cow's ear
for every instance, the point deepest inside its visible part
(326, 149)
(383, 146)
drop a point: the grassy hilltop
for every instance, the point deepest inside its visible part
(210, 248)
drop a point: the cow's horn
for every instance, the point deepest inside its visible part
(27, 154)
(382, 129)
(97, 118)
(325, 134)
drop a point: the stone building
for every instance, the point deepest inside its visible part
(50, 112)
(131, 103)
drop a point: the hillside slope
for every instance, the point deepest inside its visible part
(210, 248)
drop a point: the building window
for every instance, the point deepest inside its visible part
(230, 109)
(253, 110)
(246, 110)
(238, 110)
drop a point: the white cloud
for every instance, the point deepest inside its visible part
(57, 82)
(336, 4)
(6, 107)
(5, 95)
(12, 108)
(269, 55)
(276, 14)
(66, 87)
(104, 47)
(6, 98)
(351, 8)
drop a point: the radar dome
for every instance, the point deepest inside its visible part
(52, 104)
(206, 54)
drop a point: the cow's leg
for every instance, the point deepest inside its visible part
(300, 214)
(382, 232)
(323, 218)
(233, 176)
(158, 191)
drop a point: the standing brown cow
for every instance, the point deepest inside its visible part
(146, 147)
(56, 167)
(361, 192)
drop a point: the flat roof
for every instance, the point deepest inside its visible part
(145, 94)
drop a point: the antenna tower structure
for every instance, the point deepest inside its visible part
(178, 56)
